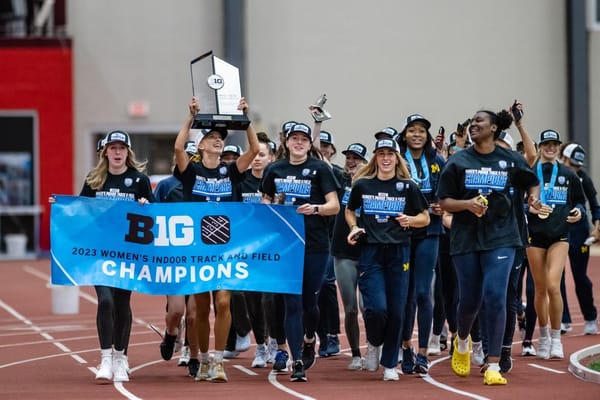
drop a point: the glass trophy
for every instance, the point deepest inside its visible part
(216, 83)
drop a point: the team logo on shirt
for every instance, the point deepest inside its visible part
(223, 170)
(561, 180)
(502, 164)
(128, 182)
(400, 186)
(305, 172)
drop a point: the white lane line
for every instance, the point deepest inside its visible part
(556, 371)
(427, 378)
(119, 386)
(27, 322)
(245, 370)
(273, 381)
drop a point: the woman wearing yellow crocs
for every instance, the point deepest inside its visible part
(475, 186)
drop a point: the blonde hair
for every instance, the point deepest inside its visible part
(97, 176)
(370, 169)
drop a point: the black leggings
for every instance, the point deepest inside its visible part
(113, 317)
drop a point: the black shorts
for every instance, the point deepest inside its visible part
(544, 242)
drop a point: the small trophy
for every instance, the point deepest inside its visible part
(319, 114)
(216, 83)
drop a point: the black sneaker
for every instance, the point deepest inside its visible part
(308, 355)
(298, 374)
(451, 351)
(408, 360)
(443, 343)
(167, 346)
(421, 364)
(505, 360)
(193, 367)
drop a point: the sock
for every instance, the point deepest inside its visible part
(118, 353)
(463, 345)
(494, 367)
(555, 333)
(204, 357)
(218, 356)
(544, 331)
(435, 338)
(308, 340)
(106, 352)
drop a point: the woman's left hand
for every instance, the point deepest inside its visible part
(574, 215)
(143, 200)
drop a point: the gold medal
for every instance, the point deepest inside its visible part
(482, 200)
(543, 215)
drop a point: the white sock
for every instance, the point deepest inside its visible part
(218, 355)
(463, 345)
(555, 333)
(494, 367)
(544, 331)
(106, 352)
(204, 357)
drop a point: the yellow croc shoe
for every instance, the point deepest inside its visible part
(461, 362)
(493, 378)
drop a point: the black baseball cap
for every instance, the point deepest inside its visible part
(387, 132)
(575, 153)
(549, 135)
(416, 118)
(118, 136)
(302, 128)
(358, 149)
(232, 148)
(386, 144)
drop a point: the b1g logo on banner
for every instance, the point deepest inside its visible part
(177, 230)
(191, 248)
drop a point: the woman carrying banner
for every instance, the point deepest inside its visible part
(475, 187)
(390, 204)
(208, 180)
(119, 176)
(308, 183)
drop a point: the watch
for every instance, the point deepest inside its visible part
(315, 209)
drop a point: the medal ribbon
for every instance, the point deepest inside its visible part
(540, 175)
(413, 168)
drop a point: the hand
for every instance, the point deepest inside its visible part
(534, 202)
(194, 106)
(306, 209)
(51, 199)
(436, 209)
(478, 205)
(243, 106)
(351, 239)
(142, 201)
(403, 220)
(574, 215)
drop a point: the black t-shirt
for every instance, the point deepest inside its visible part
(247, 191)
(469, 173)
(339, 240)
(209, 184)
(131, 185)
(380, 202)
(434, 163)
(308, 182)
(566, 194)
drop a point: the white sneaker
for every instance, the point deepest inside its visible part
(242, 343)
(590, 327)
(372, 357)
(204, 372)
(260, 359)
(184, 357)
(528, 350)
(105, 370)
(478, 358)
(390, 374)
(120, 368)
(433, 348)
(229, 354)
(356, 363)
(217, 373)
(565, 328)
(271, 350)
(543, 350)
(556, 349)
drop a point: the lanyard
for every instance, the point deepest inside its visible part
(540, 175)
(413, 168)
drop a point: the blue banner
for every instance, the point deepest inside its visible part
(176, 248)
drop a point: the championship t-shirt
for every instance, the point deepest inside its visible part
(468, 174)
(380, 202)
(209, 184)
(295, 185)
(131, 185)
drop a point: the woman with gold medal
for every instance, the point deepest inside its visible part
(562, 199)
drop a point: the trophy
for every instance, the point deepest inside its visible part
(319, 114)
(216, 83)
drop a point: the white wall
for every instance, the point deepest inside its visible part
(377, 61)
